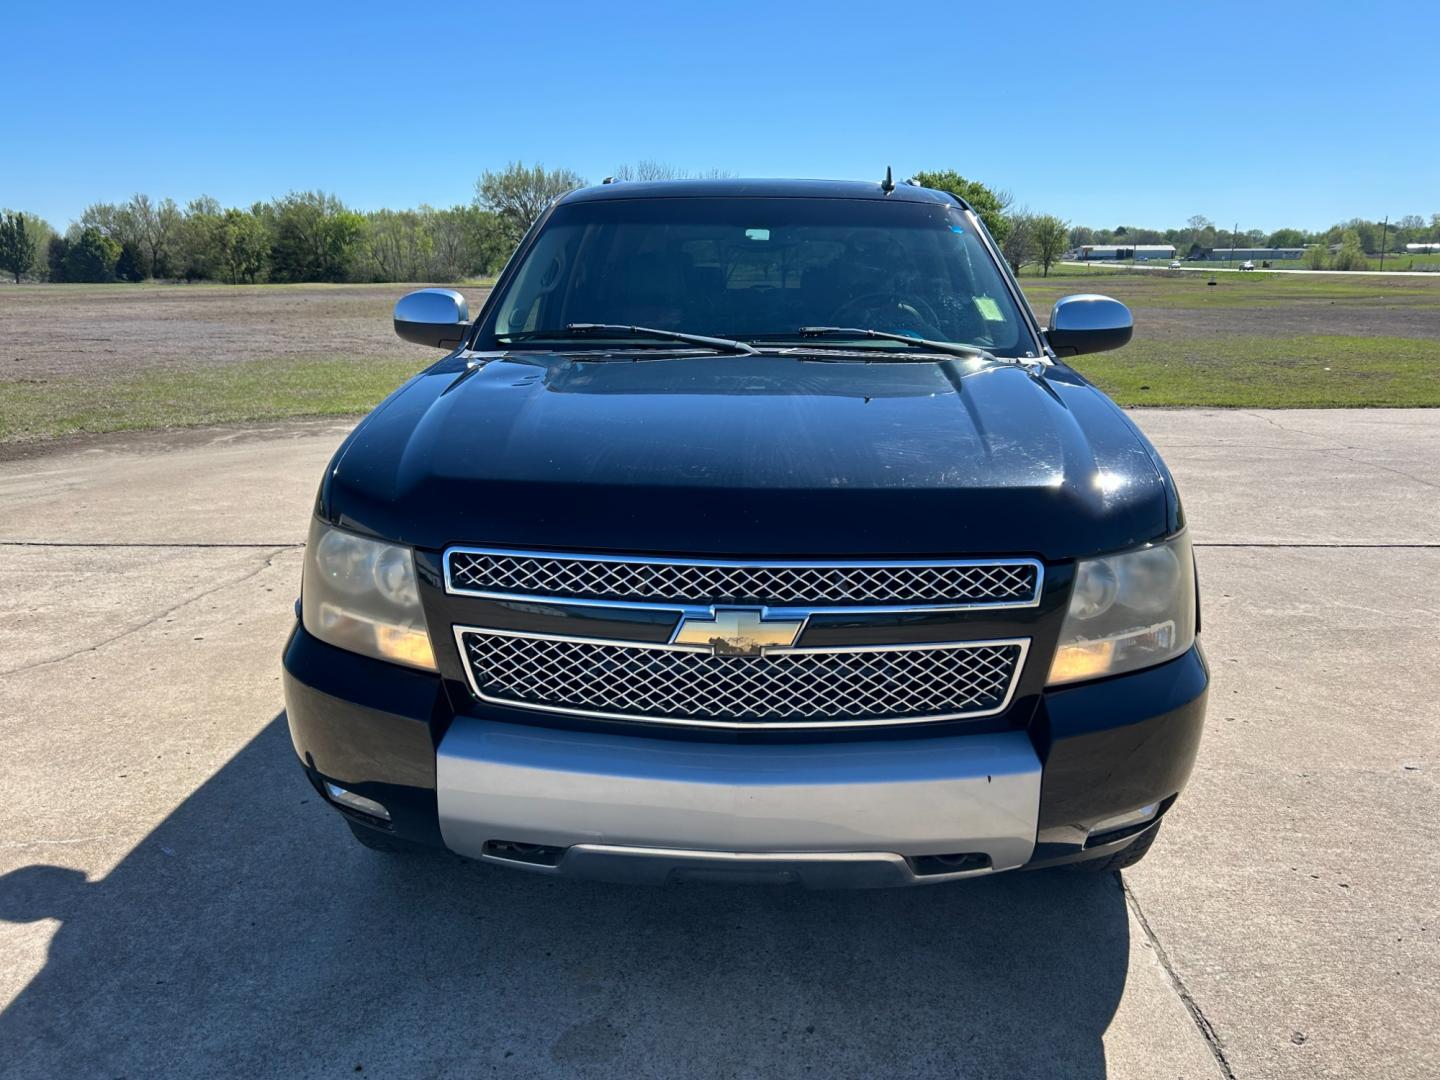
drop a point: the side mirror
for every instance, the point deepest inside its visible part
(435, 317)
(1086, 323)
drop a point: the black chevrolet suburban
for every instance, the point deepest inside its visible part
(752, 531)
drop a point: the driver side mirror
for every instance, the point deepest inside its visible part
(435, 317)
(1087, 323)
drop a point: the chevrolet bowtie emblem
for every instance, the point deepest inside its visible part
(737, 632)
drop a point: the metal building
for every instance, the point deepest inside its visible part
(1138, 252)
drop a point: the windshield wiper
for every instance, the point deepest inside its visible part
(579, 329)
(955, 347)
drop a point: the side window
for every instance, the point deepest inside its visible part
(545, 270)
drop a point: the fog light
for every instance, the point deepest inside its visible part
(359, 803)
(1125, 820)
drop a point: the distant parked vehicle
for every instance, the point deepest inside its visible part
(1247, 265)
(1174, 264)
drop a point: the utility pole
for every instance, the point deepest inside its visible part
(1384, 233)
(1234, 239)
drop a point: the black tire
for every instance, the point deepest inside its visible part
(1121, 859)
(376, 840)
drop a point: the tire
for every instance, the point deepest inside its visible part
(1126, 857)
(376, 840)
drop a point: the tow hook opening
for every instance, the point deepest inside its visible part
(958, 862)
(514, 851)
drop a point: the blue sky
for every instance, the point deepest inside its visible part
(1264, 113)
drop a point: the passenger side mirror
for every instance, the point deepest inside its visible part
(1087, 323)
(435, 317)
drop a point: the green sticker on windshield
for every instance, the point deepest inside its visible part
(989, 310)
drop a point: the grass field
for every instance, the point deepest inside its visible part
(88, 359)
(1263, 340)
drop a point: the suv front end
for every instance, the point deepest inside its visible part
(818, 615)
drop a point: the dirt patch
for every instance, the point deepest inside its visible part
(50, 331)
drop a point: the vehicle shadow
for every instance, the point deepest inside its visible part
(248, 934)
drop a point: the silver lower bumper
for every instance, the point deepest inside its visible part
(635, 808)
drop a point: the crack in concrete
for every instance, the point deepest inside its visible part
(1202, 1022)
(267, 564)
(1293, 431)
(1334, 448)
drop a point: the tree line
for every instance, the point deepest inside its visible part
(304, 236)
(314, 236)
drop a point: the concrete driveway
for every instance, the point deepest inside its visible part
(174, 900)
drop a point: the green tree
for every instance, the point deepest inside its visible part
(1316, 257)
(132, 264)
(314, 238)
(988, 203)
(1018, 247)
(57, 253)
(155, 227)
(91, 257)
(1285, 238)
(517, 194)
(244, 245)
(41, 232)
(1351, 255)
(108, 219)
(465, 240)
(17, 245)
(1366, 233)
(399, 245)
(197, 240)
(1050, 236)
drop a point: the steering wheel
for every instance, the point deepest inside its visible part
(887, 311)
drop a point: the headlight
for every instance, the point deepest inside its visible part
(360, 594)
(1128, 611)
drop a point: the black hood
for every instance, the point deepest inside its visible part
(741, 456)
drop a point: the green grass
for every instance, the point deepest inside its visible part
(230, 393)
(1317, 371)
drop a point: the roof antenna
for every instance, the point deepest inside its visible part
(888, 184)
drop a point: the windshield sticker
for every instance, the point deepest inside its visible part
(989, 309)
(956, 228)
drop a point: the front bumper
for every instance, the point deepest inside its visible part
(866, 811)
(977, 796)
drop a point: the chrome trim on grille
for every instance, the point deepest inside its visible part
(1020, 644)
(702, 603)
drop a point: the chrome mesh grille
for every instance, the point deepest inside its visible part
(791, 688)
(668, 581)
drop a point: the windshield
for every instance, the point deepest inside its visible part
(759, 270)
